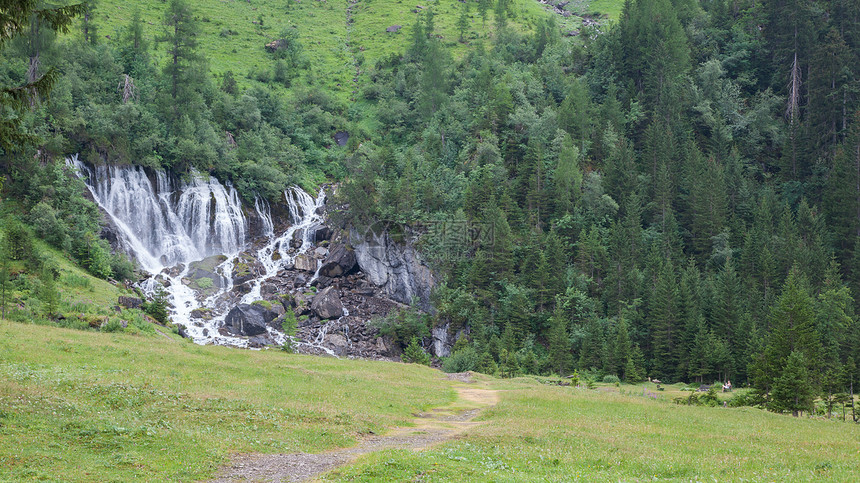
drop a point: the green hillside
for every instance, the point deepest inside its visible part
(340, 38)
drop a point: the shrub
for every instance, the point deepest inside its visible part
(415, 354)
(611, 379)
(465, 359)
(487, 365)
(121, 267)
(206, 283)
(48, 226)
(112, 325)
(402, 326)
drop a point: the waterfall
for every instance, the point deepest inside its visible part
(166, 221)
(303, 216)
(169, 224)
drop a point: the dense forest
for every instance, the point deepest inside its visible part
(675, 197)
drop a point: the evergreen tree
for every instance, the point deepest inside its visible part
(180, 35)
(793, 322)
(559, 341)
(416, 354)
(792, 390)
(48, 293)
(665, 314)
(89, 28)
(463, 21)
(483, 8)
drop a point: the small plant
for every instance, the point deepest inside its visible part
(611, 379)
(263, 303)
(204, 283)
(415, 354)
(112, 325)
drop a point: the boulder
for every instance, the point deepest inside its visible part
(320, 252)
(296, 240)
(247, 319)
(327, 304)
(306, 263)
(393, 28)
(340, 261)
(130, 302)
(321, 233)
(342, 137)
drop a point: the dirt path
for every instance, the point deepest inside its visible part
(431, 428)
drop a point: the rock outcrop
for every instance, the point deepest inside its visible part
(395, 267)
(248, 320)
(443, 340)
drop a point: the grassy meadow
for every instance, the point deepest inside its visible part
(234, 32)
(90, 406)
(550, 433)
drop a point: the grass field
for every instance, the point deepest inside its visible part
(90, 406)
(550, 433)
(234, 32)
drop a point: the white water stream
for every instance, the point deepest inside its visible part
(168, 225)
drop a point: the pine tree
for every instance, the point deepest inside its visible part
(463, 22)
(416, 354)
(664, 315)
(89, 28)
(727, 308)
(559, 341)
(4, 277)
(792, 390)
(567, 178)
(483, 7)
(793, 322)
(48, 293)
(180, 34)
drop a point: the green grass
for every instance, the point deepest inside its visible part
(550, 433)
(88, 406)
(231, 40)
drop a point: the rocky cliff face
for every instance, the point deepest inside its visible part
(394, 267)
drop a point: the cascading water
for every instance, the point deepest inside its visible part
(170, 226)
(166, 221)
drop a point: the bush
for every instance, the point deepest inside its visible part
(47, 226)
(205, 283)
(611, 379)
(121, 267)
(415, 354)
(487, 365)
(465, 359)
(112, 325)
(402, 326)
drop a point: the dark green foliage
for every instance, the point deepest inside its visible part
(403, 326)
(465, 359)
(157, 307)
(416, 354)
(792, 391)
(48, 293)
(627, 204)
